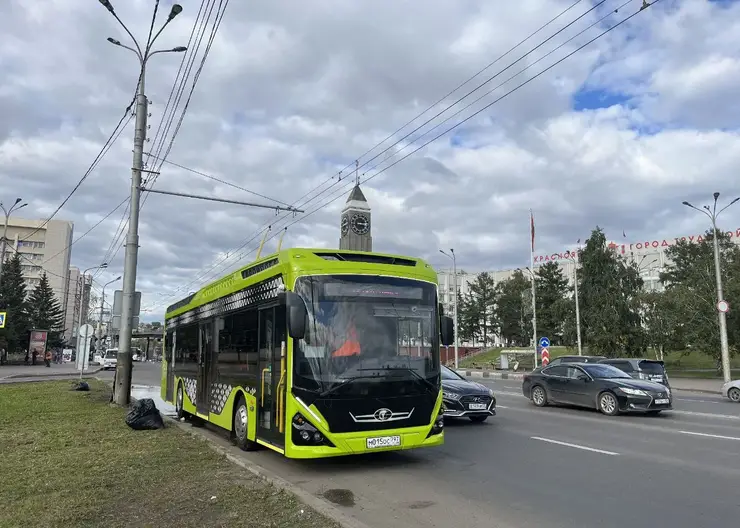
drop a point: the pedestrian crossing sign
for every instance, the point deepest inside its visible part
(2, 319)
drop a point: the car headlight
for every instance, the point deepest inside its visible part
(450, 395)
(633, 392)
(490, 393)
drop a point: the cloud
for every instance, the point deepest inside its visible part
(292, 93)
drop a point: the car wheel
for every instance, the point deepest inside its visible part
(240, 426)
(734, 394)
(539, 396)
(478, 418)
(608, 404)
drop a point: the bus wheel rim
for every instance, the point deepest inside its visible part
(240, 425)
(179, 399)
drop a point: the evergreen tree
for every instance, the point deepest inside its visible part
(552, 288)
(467, 322)
(513, 310)
(13, 301)
(45, 312)
(609, 291)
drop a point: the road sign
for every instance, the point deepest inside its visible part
(722, 306)
(3, 316)
(84, 336)
(545, 356)
(544, 342)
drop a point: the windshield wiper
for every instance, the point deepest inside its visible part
(431, 386)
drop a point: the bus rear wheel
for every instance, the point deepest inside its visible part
(240, 426)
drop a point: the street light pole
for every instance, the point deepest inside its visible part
(82, 297)
(102, 302)
(7, 212)
(124, 364)
(578, 304)
(451, 255)
(712, 214)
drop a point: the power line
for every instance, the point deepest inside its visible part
(519, 86)
(103, 151)
(479, 86)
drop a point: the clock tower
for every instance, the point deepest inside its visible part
(355, 223)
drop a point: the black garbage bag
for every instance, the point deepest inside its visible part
(144, 415)
(80, 386)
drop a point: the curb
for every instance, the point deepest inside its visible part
(490, 375)
(321, 506)
(53, 375)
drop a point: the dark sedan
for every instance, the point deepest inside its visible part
(464, 398)
(596, 385)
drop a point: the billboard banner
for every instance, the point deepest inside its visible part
(38, 342)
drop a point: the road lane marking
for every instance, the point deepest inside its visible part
(507, 393)
(502, 407)
(708, 415)
(722, 437)
(576, 446)
(697, 401)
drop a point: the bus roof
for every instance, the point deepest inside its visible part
(295, 262)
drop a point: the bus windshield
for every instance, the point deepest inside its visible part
(367, 329)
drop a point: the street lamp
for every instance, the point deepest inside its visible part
(712, 214)
(123, 367)
(7, 212)
(532, 276)
(102, 302)
(451, 255)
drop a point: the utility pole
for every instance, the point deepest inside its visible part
(534, 312)
(575, 260)
(452, 256)
(712, 214)
(102, 302)
(82, 299)
(122, 388)
(4, 241)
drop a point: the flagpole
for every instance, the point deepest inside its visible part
(534, 290)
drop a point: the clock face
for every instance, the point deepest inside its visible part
(345, 225)
(360, 224)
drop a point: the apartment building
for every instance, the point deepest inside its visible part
(42, 247)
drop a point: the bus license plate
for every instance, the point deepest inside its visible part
(477, 406)
(383, 441)
(663, 401)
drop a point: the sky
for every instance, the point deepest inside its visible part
(293, 93)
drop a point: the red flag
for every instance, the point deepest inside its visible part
(531, 227)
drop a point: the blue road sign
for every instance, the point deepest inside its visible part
(544, 342)
(2, 319)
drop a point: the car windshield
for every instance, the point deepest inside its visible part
(111, 354)
(367, 329)
(651, 367)
(604, 371)
(448, 374)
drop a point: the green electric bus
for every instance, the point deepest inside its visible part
(313, 353)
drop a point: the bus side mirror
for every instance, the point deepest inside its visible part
(297, 315)
(447, 330)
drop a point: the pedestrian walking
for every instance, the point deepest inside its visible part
(47, 358)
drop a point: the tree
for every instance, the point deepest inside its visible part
(13, 301)
(481, 303)
(690, 280)
(467, 317)
(45, 312)
(609, 290)
(513, 310)
(552, 287)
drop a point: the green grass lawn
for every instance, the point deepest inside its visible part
(69, 459)
(677, 363)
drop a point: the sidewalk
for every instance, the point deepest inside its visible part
(712, 386)
(42, 371)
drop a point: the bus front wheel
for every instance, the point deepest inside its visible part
(179, 399)
(240, 426)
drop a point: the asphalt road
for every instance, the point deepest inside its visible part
(530, 467)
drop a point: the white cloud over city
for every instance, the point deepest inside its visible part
(618, 135)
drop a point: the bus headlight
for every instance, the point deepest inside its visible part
(304, 433)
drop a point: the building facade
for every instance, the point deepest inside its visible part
(42, 246)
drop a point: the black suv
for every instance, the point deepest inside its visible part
(645, 369)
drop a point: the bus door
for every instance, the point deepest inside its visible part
(205, 368)
(271, 394)
(168, 356)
